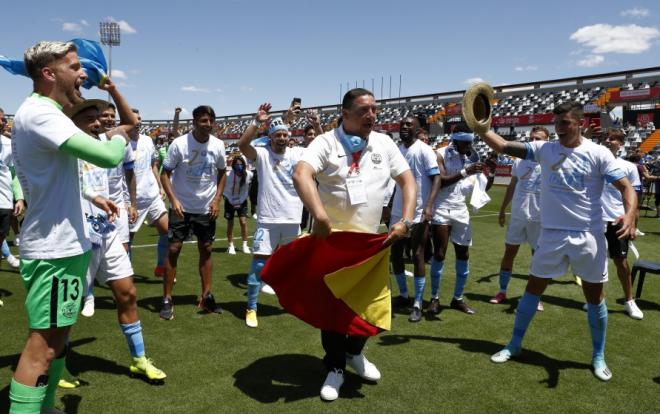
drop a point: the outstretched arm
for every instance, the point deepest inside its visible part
(500, 145)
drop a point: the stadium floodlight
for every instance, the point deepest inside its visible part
(110, 36)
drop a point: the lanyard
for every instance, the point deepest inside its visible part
(355, 165)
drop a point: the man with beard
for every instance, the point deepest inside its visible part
(451, 219)
(193, 174)
(573, 173)
(54, 243)
(279, 208)
(424, 167)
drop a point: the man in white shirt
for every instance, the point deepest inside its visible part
(279, 208)
(573, 172)
(424, 166)
(46, 146)
(193, 172)
(525, 222)
(613, 208)
(352, 165)
(149, 193)
(12, 203)
(451, 219)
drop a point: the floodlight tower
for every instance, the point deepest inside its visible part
(111, 36)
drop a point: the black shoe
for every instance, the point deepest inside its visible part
(167, 310)
(415, 315)
(458, 304)
(434, 306)
(401, 302)
(208, 304)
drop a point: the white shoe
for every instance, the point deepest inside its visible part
(267, 289)
(639, 233)
(13, 261)
(231, 249)
(254, 216)
(632, 310)
(408, 273)
(17, 241)
(504, 355)
(601, 371)
(246, 249)
(2, 303)
(585, 307)
(332, 384)
(363, 367)
(88, 307)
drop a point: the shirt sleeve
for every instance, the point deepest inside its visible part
(608, 166)
(533, 150)
(221, 162)
(317, 153)
(515, 169)
(634, 179)
(431, 163)
(396, 161)
(173, 158)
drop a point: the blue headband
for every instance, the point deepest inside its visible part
(277, 125)
(462, 136)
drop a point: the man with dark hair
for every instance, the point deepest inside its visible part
(149, 192)
(613, 208)
(525, 222)
(424, 166)
(54, 243)
(279, 209)
(352, 165)
(193, 173)
(573, 171)
(451, 219)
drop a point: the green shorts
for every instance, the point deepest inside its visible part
(54, 290)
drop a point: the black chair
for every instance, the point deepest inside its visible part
(643, 266)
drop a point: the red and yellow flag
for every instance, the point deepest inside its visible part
(338, 284)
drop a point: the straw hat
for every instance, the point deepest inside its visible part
(477, 110)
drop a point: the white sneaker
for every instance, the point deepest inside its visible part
(601, 371)
(254, 216)
(363, 367)
(632, 310)
(246, 249)
(332, 384)
(408, 273)
(639, 233)
(17, 241)
(88, 307)
(267, 289)
(231, 249)
(13, 261)
(504, 355)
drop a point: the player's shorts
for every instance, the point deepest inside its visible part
(54, 290)
(109, 262)
(121, 224)
(231, 211)
(459, 221)
(615, 247)
(584, 251)
(268, 236)
(152, 213)
(200, 225)
(520, 231)
(5, 221)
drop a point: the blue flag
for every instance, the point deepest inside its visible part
(90, 55)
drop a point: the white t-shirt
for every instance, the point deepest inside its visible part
(611, 198)
(194, 166)
(147, 189)
(53, 226)
(424, 165)
(278, 201)
(116, 179)
(380, 161)
(452, 197)
(6, 162)
(234, 192)
(95, 179)
(572, 183)
(526, 199)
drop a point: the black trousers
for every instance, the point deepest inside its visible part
(337, 345)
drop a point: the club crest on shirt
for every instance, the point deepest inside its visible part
(376, 158)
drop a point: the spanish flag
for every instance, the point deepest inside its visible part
(338, 284)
